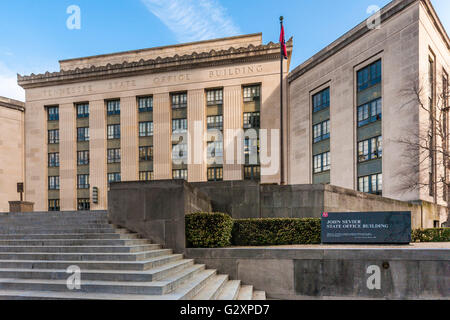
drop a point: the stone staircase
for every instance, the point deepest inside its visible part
(37, 248)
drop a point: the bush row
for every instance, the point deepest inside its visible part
(431, 235)
(215, 230)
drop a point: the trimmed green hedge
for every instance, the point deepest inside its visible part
(208, 230)
(284, 231)
(431, 235)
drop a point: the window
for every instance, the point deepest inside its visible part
(321, 131)
(179, 100)
(146, 153)
(251, 120)
(113, 155)
(321, 100)
(322, 162)
(145, 104)
(179, 174)
(114, 177)
(84, 205)
(215, 122)
(53, 160)
(82, 158)
(179, 125)
(369, 112)
(431, 137)
(214, 97)
(370, 149)
(215, 149)
(113, 131)
(53, 136)
(446, 135)
(215, 174)
(369, 76)
(82, 134)
(82, 110)
(146, 176)
(83, 181)
(53, 205)
(252, 93)
(53, 113)
(180, 151)
(371, 184)
(53, 183)
(251, 146)
(113, 107)
(145, 129)
(252, 172)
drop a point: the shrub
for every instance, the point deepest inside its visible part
(208, 230)
(284, 231)
(431, 235)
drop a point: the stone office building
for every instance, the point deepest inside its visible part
(118, 117)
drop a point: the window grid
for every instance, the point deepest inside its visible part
(53, 160)
(370, 149)
(83, 181)
(82, 111)
(84, 205)
(145, 104)
(146, 176)
(114, 177)
(369, 76)
(252, 120)
(252, 93)
(252, 172)
(369, 112)
(114, 155)
(322, 162)
(215, 174)
(371, 184)
(214, 97)
(215, 122)
(53, 183)
(321, 131)
(83, 134)
(215, 149)
(113, 131)
(53, 205)
(179, 174)
(53, 113)
(82, 158)
(53, 136)
(113, 107)
(179, 100)
(179, 125)
(146, 153)
(180, 151)
(321, 100)
(145, 129)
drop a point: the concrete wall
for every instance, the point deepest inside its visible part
(156, 210)
(11, 150)
(332, 272)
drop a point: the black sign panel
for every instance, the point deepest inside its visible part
(20, 187)
(366, 227)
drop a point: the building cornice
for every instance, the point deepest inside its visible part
(12, 104)
(359, 31)
(212, 58)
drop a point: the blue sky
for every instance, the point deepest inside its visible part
(34, 36)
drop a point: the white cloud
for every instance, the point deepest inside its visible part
(193, 20)
(8, 84)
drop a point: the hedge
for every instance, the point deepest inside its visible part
(283, 231)
(208, 230)
(431, 235)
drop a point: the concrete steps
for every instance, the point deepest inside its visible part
(37, 248)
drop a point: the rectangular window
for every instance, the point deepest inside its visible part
(369, 76)
(322, 162)
(82, 158)
(146, 129)
(53, 160)
(114, 155)
(321, 131)
(369, 112)
(252, 120)
(53, 205)
(113, 107)
(179, 100)
(252, 93)
(321, 100)
(371, 184)
(113, 131)
(215, 149)
(179, 125)
(145, 104)
(446, 135)
(82, 110)
(252, 172)
(53, 136)
(53, 113)
(146, 153)
(83, 181)
(215, 174)
(53, 183)
(431, 134)
(180, 152)
(214, 97)
(82, 134)
(114, 177)
(84, 205)
(370, 149)
(251, 146)
(180, 174)
(215, 122)
(146, 176)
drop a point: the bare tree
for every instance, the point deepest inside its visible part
(427, 146)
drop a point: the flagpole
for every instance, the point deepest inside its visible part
(281, 109)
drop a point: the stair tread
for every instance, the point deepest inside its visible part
(212, 287)
(88, 253)
(230, 290)
(245, 293)
(259, 295)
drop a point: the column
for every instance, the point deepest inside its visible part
(162, 152)
(232, 122)
(129, 139)
(97, 153)
(197, 136)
